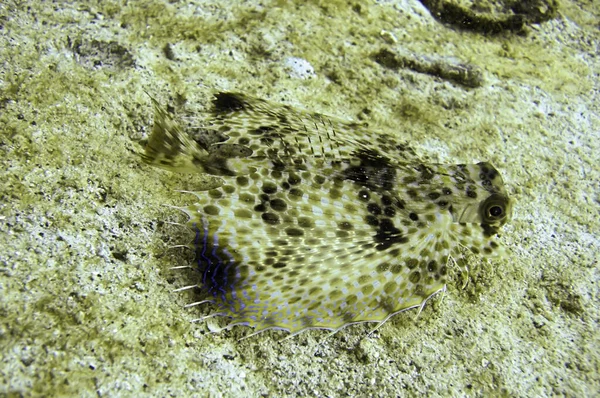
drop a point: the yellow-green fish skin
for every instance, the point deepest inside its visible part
(303, 221)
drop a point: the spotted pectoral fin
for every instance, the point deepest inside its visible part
(268, 246)
(303, 281)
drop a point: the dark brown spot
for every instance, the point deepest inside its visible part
(382, 267)
(296, 193)
(389, 211)
(374, 171)
(374, 209)
(242, 181)
(432, 266)
(269, 188)
(278, 205)
(243, 213)
(261, 130)
(386, 200)
(215, 193)
(396, 268)
(345, 225)
(337, 181)
(395, 252)
(414, 277)
(270, 218)
(388, 235)
(372, 220)
(351, 300)
(390, 287)
(471, 193)
(294, 179)
(276, 174)
(487, 173)
(211, 210)
(412, 193)
(305, 222)
(294, 232)
(363, 195)
(335, 193)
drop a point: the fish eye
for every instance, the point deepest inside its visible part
(495, 211)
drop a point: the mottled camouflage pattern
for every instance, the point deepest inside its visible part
(304, 221)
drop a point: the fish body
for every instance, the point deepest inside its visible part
(303, 221)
